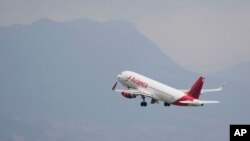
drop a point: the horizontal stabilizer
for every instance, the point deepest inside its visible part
(198, 103)
(187, 102)
(209, 102)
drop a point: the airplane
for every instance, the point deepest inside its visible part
(138, 85)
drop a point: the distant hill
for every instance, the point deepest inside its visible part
(47, 64)
(65, 71)
(56, 79)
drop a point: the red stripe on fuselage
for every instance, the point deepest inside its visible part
(184, 98)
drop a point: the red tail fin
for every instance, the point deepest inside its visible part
(195, 90)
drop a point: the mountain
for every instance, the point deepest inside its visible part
(56, 79)
(54, 72)
(48, 64)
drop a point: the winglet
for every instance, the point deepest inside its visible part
(113, 88)
(222, 85)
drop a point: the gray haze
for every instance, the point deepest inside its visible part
(202, 36)
(56, 81)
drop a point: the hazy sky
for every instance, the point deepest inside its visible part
(202, 36)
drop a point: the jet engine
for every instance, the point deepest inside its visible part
(128, 95)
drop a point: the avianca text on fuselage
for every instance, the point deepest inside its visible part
(138, 85)
(137, 81)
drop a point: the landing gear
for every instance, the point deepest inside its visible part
(143, 103)
(153, 101)
(166, 104)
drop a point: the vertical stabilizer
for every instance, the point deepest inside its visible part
(195, 90)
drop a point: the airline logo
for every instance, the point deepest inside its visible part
(137, 81)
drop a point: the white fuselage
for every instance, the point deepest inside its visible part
(160, 91)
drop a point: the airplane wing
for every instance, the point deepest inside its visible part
(209, 90)
(138, 91)
(213, 90)
(131, 91)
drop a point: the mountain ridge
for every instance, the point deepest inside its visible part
(56, 80)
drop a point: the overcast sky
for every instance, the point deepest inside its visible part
(202, 36)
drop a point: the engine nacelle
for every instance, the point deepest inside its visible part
(128, 95)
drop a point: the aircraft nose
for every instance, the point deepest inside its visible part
(118, 76)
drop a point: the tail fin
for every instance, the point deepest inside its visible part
(195, 90)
